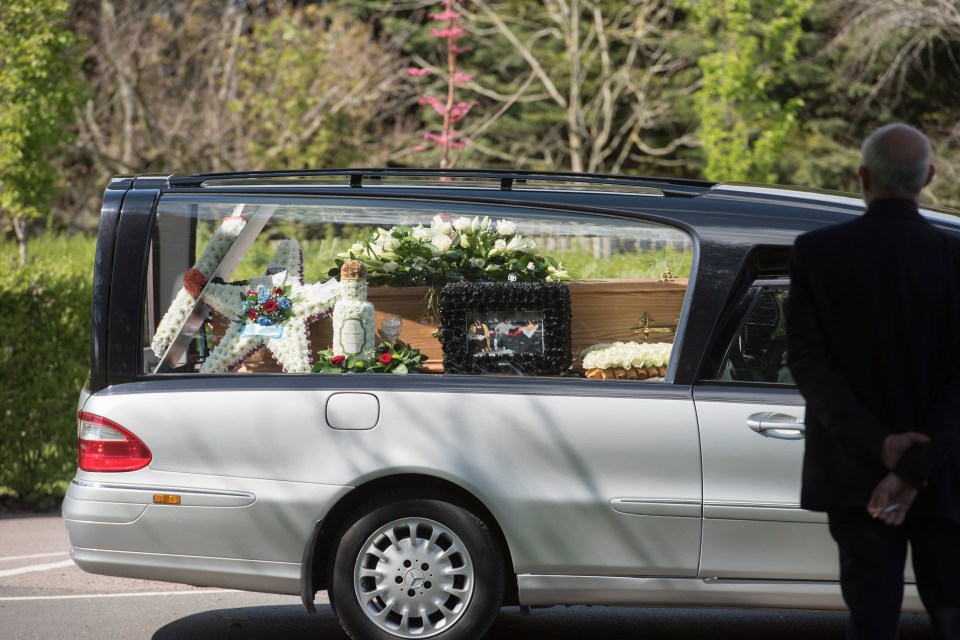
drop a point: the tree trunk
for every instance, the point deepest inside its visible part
(20, 229)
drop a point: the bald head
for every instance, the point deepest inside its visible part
(895, 163)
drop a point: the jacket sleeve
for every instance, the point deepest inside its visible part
(824, 387)
(920, 463)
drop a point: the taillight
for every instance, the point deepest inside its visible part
(106, 446)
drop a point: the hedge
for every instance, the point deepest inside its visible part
(44, 356)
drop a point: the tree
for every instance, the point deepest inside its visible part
(907, 55)
(39, 88)
(744, 124)
(577, 84)
(192, 85)
(316, 87)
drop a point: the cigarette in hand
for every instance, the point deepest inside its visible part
(887, 509)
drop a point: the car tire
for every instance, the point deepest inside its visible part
(415, 567)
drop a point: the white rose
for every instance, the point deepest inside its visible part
(388, 243)
(439, 226)
(498, 247)
(390, 267)
(493, 267)
(531, 266)
(465, 241)
(518, 244)
(442, 243)
(462, 223)
(357, 248)
(477, 263)
(419, 233)
(506, 228)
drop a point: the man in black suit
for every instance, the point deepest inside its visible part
(873, 341)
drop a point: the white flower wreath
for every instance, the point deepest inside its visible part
(627, 355)
(184, 303)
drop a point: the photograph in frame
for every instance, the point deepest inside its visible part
(505, 327)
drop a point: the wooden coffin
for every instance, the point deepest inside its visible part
(603, 311)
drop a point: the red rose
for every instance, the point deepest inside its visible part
(337, 360)
(270, 306)
(278, 291)
(252, 314)
(385, 359)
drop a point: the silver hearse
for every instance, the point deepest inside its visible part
(572, 391)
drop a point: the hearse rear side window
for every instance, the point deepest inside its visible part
(252, 285)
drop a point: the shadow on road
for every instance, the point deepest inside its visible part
(557, 623)
(260, 623)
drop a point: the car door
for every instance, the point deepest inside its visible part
(752, 437)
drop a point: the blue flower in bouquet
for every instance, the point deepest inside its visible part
(262, 295)
(265, 321)
(284, 303)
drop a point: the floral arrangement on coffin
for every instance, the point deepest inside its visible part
(451, 251)
(388, 358)
(627, 360)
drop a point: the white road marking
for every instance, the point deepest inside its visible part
(321, 598)
(33, 555)
(117, 595)
(36, 567)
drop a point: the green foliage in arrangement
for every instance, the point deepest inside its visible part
(44, 354)
(396, 358)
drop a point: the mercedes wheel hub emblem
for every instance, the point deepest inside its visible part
(414, 578)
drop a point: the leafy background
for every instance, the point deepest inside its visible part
(748, 90)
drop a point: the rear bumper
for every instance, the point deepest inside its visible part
(233, 533)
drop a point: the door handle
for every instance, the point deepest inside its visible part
(777, 425)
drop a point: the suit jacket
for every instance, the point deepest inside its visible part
(873, 342)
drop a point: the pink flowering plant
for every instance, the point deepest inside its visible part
(451, 111)
(395, 358)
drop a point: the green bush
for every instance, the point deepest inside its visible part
(44, 356)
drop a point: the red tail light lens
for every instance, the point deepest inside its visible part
(106, 446)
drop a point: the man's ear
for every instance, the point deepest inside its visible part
(865, 177)
(930, 173)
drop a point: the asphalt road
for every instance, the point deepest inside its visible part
(43, 596)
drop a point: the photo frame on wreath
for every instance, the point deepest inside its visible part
(505, 327)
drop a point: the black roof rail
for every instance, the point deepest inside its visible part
(507, 178)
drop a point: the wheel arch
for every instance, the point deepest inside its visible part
(325, 535)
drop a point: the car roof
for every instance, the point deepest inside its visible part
(726, 212)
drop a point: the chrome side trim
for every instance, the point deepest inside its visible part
(143, 494)
(657, 507)
(761, 511)
(541, 590)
